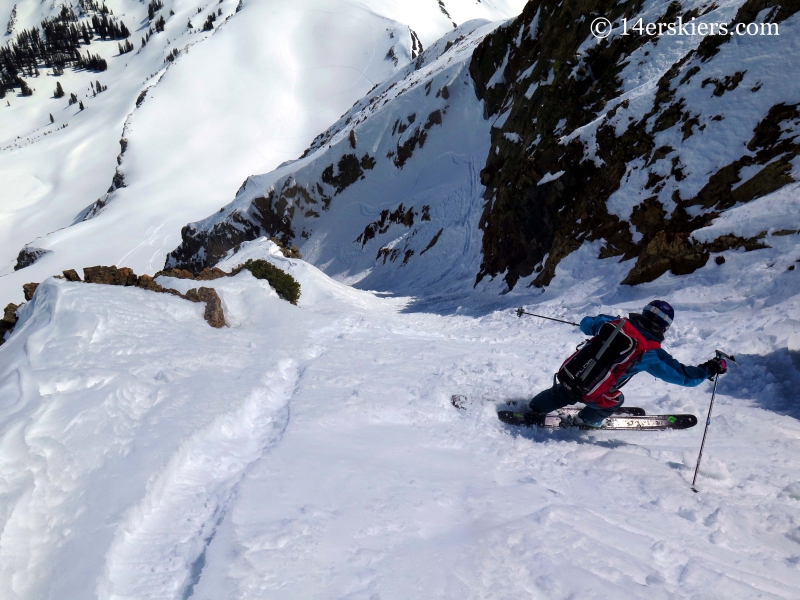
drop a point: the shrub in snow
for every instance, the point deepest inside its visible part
(284, 284)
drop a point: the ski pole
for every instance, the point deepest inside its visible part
(719, 354)
(521, 311)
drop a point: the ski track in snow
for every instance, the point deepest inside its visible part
(175, 521)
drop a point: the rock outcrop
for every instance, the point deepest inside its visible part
(568, 142)
(8, 322)
(27, 256)
(123, 276)
(213, 313)
(29, 289)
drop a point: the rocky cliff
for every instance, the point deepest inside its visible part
(633, 140)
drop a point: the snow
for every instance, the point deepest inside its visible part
(242, 99)
(550, 177)
(774, 212)
(442, 175)
(312, 451)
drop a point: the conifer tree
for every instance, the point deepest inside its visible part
(52, 120)
(59, 93)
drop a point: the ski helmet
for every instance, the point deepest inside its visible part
(660, 313)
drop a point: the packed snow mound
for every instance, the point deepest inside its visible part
(186, 118)
(312, 451)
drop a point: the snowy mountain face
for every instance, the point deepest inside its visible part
(640, 142)
(390, 187)
(183, 120)
(203, 438)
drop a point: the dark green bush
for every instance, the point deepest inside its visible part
(285, 285)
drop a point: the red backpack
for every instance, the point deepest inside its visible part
(593, 371)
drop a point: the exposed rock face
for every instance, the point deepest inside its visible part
(110, 275)
(29, 289)
(126, 277)
(8, 322)
(27, 256)
(289, 207)
(176, 273)
(213, 313)
(210, 274)
(568, 143)
(10, 316)
(288, 252)
(148, 283)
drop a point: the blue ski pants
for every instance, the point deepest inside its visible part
(559, 397)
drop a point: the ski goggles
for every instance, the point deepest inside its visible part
(659, 313)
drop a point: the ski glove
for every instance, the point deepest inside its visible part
(717, 366)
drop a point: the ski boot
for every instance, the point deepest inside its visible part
(581, 421)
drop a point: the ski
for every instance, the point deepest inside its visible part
(462, 403)
(633, 411)
(631, 422)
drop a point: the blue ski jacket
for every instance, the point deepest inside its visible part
(657, 362)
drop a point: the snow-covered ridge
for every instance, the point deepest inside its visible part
(242, 98)
(637, 141)
(388, 191)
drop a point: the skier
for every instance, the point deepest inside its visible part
(649, 327)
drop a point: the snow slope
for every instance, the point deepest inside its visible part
(407, 223)
(312, 451)
(241, 99)
(484, 163)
